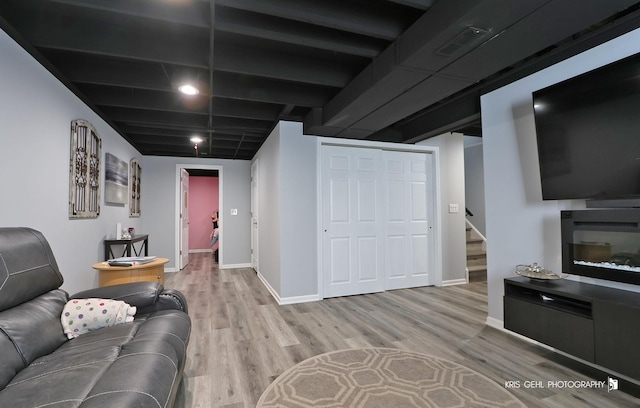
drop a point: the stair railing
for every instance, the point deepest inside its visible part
(473, 227)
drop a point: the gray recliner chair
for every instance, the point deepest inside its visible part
(135, 364)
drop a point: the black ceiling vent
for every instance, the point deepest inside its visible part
(468, 36)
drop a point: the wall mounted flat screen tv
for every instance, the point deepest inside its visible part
(588, 134)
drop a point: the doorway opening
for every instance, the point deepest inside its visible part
(203, 203)
(182, 209)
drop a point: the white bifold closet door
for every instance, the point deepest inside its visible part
(375, 210)
(406, 219)
(353, 241)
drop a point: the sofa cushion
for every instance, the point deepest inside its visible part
(29, 331)
(27, 266)
(132, 364)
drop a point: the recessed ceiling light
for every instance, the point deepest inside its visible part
(188, 89)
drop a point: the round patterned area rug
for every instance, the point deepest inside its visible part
(381, 377)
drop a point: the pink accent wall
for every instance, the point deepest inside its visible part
(203, 200)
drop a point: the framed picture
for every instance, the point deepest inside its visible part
(116, 180)
(84, 170)
(134, 188)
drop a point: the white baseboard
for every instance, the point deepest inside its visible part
(288, 300)
(454, 282)
(234, 266)
(267, 285)
(229, 266)
(299, 299)
(495, 323)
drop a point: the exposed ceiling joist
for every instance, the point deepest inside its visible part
(164, 11)
(292, 32)
(339, 15)
(276, 65)
(388, 70)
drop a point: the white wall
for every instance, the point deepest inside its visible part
(268, 159)
(298, 240)
(454, 258)
(287, 212)
(36, 111)
(521, 227)
(159, 184)
(474, 182)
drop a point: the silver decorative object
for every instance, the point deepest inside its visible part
(535, 271)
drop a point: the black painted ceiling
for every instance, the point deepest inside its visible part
(391, 70)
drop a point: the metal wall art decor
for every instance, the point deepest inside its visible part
(134, 188)
(116, 180)
(84, 171)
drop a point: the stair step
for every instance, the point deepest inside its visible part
(476, 257)
(475, 248)
(477, 268)
(478, 276)
(477, 262)
(475, 253)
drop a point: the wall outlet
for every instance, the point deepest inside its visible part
(234, 211)
(453, 208)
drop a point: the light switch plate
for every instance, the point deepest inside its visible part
(453, 208)
(234, 211)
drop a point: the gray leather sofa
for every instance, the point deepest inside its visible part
(136, 364)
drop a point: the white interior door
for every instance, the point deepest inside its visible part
(184, 218)
(353, 255)
(254, 215)
(407, 178)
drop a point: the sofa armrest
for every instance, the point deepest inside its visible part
(147, 297)
(168, 299)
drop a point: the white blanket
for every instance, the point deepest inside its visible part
(80, 316)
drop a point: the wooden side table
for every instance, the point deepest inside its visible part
(115, 275)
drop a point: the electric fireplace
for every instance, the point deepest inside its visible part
(603, 244)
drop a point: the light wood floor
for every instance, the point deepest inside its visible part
(242, 340)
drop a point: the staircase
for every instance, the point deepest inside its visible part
(476, 256)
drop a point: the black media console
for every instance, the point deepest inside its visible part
(595, 323)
